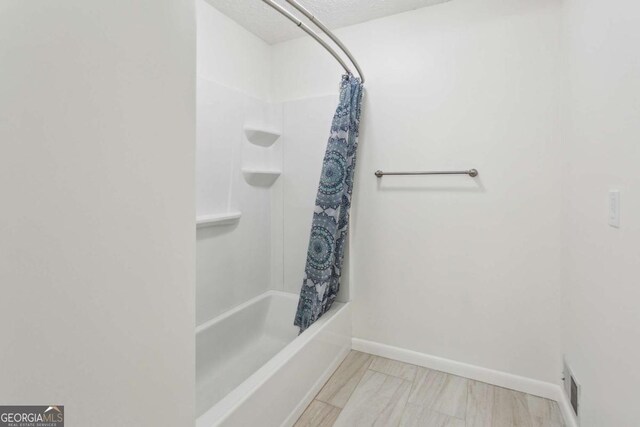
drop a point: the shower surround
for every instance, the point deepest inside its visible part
(258, 167)
(247, 347)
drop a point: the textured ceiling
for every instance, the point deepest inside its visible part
(257, 17)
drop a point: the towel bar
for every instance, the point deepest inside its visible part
(471, 172)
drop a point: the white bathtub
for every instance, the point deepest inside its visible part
(252, 368)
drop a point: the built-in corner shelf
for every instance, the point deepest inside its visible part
(262, 178)
(218, 219)
(261, 137)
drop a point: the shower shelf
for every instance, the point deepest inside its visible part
(218, 219)
(261, 137)
(261, 178)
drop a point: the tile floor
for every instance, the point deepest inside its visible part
(367, 390)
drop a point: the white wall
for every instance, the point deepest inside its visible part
(96, 226)
(230, 55)
(463, 269)
(601, 316)
(234, 262)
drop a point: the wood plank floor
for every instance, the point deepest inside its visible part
(368, 390)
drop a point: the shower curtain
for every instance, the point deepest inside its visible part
(331, 214)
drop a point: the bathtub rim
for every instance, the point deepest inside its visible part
(211, 322)
(221, 410)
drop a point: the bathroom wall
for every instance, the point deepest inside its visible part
(234, 262)
(600, 311)
(96, 226)
(463, 269)
(230, 55)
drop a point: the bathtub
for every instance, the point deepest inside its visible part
(252, 368)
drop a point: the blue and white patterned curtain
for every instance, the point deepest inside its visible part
(331, 214)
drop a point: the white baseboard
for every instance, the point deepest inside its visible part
(565, 407)
(490, 376)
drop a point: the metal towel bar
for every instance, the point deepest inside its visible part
(470, 172)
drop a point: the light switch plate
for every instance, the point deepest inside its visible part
(614, 208)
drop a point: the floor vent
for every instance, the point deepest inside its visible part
(572, 389)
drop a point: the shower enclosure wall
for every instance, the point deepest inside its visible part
(258, 166)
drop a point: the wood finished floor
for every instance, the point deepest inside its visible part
(367, 390)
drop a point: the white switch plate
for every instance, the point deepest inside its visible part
(614, 208)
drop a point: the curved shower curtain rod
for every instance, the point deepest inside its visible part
(304, 27)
